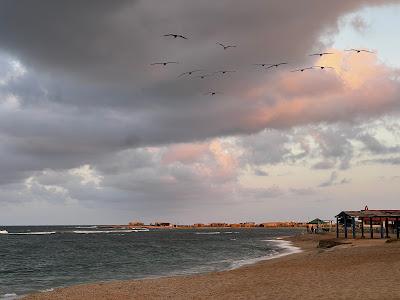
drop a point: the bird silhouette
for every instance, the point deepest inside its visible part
(323, 67)
(175, 36)
(226, 46)
(223, 72)
(321, 54)
(212, 93)
(277, 65)
(164, 63)
(302, 70)
(203, 76)
(358, 50)
(189, 73)
(261, 65)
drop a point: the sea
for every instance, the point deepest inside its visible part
(41, 258)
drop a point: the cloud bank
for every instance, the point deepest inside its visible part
(77, 91)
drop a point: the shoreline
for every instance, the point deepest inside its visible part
(314, 271)
(287, 248)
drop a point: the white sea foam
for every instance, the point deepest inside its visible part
(211, 232)
(108, 231)
(3, 232)
(86, 227)
(9, 296)
(33, 233)
(47, 290)
(287, 249)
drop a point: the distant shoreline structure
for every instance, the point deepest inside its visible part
(168, 225)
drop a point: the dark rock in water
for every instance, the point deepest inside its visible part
(325, 244)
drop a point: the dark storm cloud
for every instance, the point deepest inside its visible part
(72, 35)
(89, 90)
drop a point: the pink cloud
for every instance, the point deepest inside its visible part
(184, 153)
(358, 86)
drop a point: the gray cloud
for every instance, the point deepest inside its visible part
(259, 172)
(359, 24)
(395, 160)
(334, 180)
(89, 96)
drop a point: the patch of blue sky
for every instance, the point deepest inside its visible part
(374, 28)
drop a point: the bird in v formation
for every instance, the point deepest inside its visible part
(268, 66)
(175, 36)
(226, 46)
(223, 72)
(189, 73)
(321, 54)
(277, 65)
(164, 63)
(212, 93)
(323, 67)
(302, 69)
(358, 50)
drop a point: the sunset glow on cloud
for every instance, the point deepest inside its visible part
(91, 125)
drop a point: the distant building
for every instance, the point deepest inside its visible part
(271, 224)
(163, 224)
(282, 224)
(218, 225)
(235, 225)
(136, 223)
(248, 224)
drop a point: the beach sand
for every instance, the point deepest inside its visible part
(361, 269)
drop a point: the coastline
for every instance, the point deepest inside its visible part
(339, 272)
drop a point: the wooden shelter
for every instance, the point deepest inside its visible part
(369, 217)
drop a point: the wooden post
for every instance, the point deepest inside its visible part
(370, 228)
(337, 228)
(353, 227)
(362, 228)
(398, 227)
(380, 220)
(345, 226)
(387, 227)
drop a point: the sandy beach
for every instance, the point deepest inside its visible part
(359, 269)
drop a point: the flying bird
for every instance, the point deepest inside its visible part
(189, 73)
(203, 76)
(262, 65)
(359, 50)
(226, 46)
(212, 93)
(323, 67)
(223, 72)
(175, 36)
(164, 63)
(277, 65)
(321, 54)
(302, 70)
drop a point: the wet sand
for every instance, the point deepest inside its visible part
(360, 269)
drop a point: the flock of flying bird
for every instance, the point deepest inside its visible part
(265, 65)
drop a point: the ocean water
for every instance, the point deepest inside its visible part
(45, 257)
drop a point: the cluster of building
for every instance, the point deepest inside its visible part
(380, 222)
(219, 225)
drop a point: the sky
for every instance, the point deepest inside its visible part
(92, 133)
